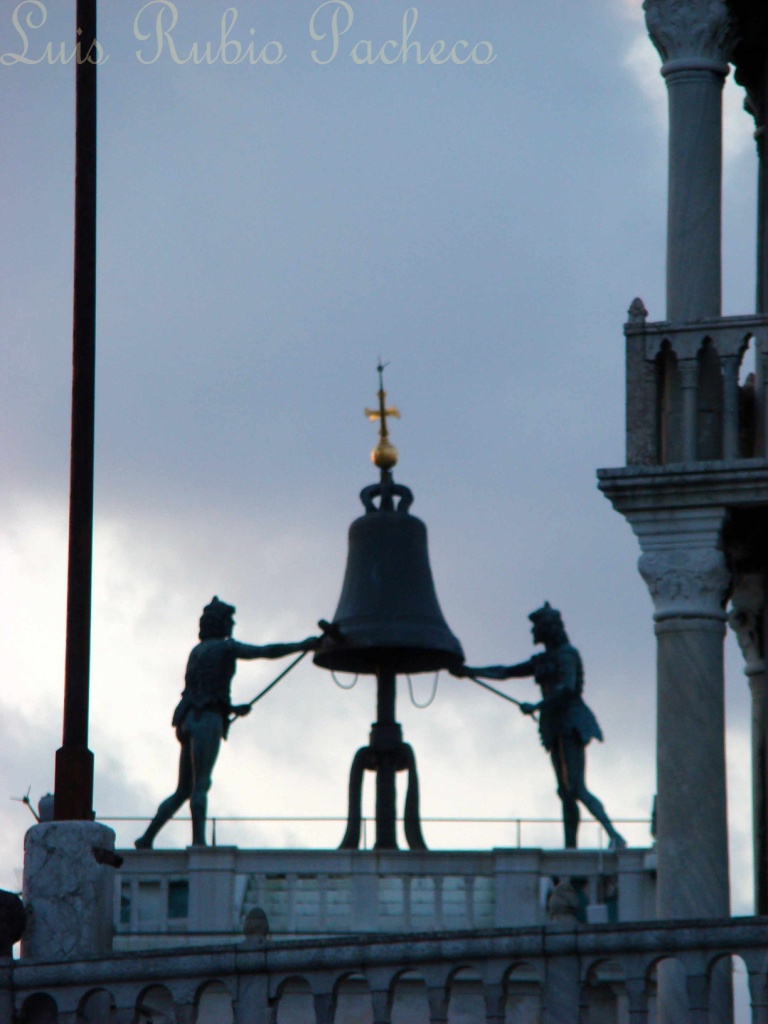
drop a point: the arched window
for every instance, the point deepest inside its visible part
(155, 1006)
(605, 994)
(523, 1003)
(709, 404)
(410, 1002)
(214, 1004)
(39, 1008)
(668, 992)
(295, 1002)
(354, 1004)
(670, 406)
(466, 1001)
(96, 1008)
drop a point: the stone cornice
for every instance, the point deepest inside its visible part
(692, 30)
(692, 485)
(314, 956)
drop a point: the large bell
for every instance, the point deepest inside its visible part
(388, 617)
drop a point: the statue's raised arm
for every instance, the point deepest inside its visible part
(500, 672)
(201, 718)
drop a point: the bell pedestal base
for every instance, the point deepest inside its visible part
(386, 754)
(386, 764)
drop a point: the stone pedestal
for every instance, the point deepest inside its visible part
(68, 890)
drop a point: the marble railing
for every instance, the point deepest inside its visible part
(684, 399)
(558, 973)
(199, 894)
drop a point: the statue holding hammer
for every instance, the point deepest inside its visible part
(566, 724)
(202, 717)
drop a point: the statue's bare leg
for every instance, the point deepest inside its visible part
(576, 761)
(205, 729)
(168, 807)
(567, 795)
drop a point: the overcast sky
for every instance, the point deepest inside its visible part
(266, 232)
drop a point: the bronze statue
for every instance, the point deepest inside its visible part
(566, 724)
(202, 718)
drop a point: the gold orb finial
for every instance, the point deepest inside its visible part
(384, 455)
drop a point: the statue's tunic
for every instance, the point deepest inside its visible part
(560, 675)
(208, 678)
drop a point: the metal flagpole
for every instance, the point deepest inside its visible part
(73, 796)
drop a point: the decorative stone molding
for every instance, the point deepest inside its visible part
(691, 30)
(686, 584)
(746, 620)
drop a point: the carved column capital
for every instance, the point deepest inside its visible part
(746, 620)
(687, 583)
(699, 32)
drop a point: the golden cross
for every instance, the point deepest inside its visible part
(382, 412)
(385, 454)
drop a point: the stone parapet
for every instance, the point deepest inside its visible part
(684, 401)
(198, 895)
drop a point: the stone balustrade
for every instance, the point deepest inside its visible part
(684, 400)
(166, 897)
(556, 974)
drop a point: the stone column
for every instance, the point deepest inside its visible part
(438, 1003)
(637, 997)
(382, 1007)
(756, 104)
(730, 365)
(495, 1003)
(694, 39)
(562, 989)
(758, 993)
(687, 576)
(689, 386)
(698, 999)
(747, 619)
(324, 1008)
(252, 1003)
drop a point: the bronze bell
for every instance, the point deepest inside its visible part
(388, 617)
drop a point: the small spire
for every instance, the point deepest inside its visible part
(384, 455)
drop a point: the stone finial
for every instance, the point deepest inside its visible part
(637, 313)
(681, 29)
(689, 583)
(256, 925)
